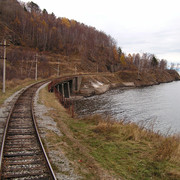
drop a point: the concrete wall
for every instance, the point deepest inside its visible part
(69, 87)
(76, 84)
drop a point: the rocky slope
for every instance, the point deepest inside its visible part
(100, 83)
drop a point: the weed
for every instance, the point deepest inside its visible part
(166, 148)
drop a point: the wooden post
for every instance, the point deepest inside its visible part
(4, 68)
(4, 65)
(36, 67)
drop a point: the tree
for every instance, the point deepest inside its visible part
(17, 23)
(122, 61)
(119, 52)
(33, 7)
(115, 53)
(45, 13)
(154, 62)
(35, 28)
(66, 22)
(137, 60)
(163, 64)
(130, 61)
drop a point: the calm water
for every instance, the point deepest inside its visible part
(158, 104)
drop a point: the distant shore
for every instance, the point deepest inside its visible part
(99, 84)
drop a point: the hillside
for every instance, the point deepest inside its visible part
(29, 29)
(61, 44)
(100, 83)
(95, 147)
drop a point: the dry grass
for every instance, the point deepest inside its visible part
(83, 163)
(105, 126)
(122, 148)
(14, 83)
(166, 148)
(12, 86)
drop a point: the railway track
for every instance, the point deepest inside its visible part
(22, 153)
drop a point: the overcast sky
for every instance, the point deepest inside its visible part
(138, 26)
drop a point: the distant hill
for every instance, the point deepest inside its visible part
(28, 26)
(58, 40)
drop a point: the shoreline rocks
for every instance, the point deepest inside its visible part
(99, 85)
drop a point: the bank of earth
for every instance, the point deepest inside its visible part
(104, 149)
(102, 82)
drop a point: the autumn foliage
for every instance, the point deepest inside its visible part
(25, 25)
(28, 25)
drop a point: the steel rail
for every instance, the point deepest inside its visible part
(40, 142)
(48, 165)
(6, 128)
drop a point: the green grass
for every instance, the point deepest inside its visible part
(123, 150)
(122, 156)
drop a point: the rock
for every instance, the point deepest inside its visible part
(129, 84)
(86, 92)
(102, 89)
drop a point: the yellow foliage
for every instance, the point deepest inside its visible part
(44, 23)
(17, 21)
(54, 28)
(65, 22)
(73, 22)
(115, 53)
(122, 60)
(32, 20)
(40, 30)
(130, 58)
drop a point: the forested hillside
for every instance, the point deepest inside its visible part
(30, 30)
(28, 25)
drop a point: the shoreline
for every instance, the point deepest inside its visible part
(96, 86)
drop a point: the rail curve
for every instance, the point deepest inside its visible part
(22, 153)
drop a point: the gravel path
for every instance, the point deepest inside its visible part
(64, 169)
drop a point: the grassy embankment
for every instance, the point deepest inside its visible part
(97, 146)
(12, 86)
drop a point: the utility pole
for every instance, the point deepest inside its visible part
(36, 67)
(4, 65)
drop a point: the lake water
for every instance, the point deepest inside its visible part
(157, 105)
